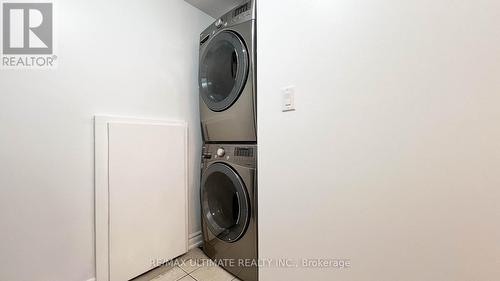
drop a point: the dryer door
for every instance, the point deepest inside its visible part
(223, 70)
(225, 202)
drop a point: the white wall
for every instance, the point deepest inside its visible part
(127, 58)
(392, 158)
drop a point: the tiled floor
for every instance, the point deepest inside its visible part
(193, 266)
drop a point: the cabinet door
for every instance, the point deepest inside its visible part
(147, 196)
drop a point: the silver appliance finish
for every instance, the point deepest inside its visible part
(229, 206)
(227, 53)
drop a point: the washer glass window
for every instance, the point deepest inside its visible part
(223, 70)
(225, 202)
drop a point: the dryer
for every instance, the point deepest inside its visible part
(229, 207)
(227, 77)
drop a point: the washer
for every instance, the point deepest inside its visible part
(227, 80)
(229, 207)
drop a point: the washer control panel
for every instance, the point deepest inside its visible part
(244, 155)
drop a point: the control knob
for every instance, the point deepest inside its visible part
(220, 152)
(218, 23)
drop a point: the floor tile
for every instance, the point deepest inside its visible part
(157, 272)
(211, 273)
(187, 278)
(193, 260)
(190, 265)
(172, 275)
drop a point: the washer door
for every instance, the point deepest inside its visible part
(223, 70)
(225, 202)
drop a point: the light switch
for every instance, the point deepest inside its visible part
(288, 102)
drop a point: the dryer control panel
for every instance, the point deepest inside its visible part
(244, 155)
(243, 13)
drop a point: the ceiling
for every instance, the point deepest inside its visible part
(215, 8)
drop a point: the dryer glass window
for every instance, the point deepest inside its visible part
(224, 202)
(221, 63)
(223, 70)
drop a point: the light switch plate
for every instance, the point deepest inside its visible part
(288, 99)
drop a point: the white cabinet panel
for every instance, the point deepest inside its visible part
(147, 197)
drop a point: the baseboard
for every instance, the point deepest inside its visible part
(91, 279)
(195, 240)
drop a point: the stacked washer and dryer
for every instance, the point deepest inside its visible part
(227, 83)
